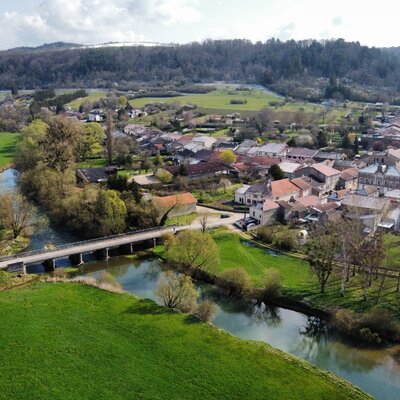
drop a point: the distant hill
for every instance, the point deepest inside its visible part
(48, 46)
(300, 69)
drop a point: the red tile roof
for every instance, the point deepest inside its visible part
(325, 169)
(283, 187)
(170, 201)
(309, 201)
(349, 174)
(270, 205)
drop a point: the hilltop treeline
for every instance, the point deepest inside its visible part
(269, 63)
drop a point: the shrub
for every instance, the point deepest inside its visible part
(108, 279)
(235, 280)
(286, 242)
(205, 311)
(266, 234)
(272, 284)
(373, 327)
(177, 291)
(164, 176)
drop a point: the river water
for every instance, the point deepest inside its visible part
(376, 371)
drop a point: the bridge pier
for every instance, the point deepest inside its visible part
(17, 268)
(76, 259)
(103, 254)
(127, 248)
(49, 265)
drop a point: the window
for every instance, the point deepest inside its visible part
(254, 213)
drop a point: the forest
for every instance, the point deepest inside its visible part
(297, 68)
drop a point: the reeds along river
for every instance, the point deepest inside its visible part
(375, 370)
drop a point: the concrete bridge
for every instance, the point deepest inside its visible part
(75, 251)
(101, 247)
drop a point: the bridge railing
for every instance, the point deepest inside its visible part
(83, 242)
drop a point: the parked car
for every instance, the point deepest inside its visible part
(225, 215)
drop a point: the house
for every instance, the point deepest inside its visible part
(305, 185)
(207, 169)
(348, 178)
(95, 175)
(300, 153)
(179, 204)
(328, 156)
(206, 142)
(290, 168)
(338, 195)
(265, 213)
(323, 212)
(340, 165)
(369, 210)
(382, 177)
(325, 175)
(272, 149)
(282, 189)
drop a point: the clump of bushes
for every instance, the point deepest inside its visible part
(106, 279)
(238, 101)
(236, 281)
(205, 311)
(376, 326)
(272, 284)
(277, 236)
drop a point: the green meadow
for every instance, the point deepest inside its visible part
(70, 341)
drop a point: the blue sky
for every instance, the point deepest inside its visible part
(33, 22)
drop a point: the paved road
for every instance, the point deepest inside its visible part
(100, 244)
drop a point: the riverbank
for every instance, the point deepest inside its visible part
(133, 348)
(300, 289)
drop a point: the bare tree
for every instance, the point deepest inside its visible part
(110, 136)
(320, 251)
(177, 291)
(203, 220)
(16, 213)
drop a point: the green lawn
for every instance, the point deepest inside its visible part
(8, 141)
(69, 341)
(92, 97)
(298, 281)
(235, 252)
(217, 99)
(182, 219)
(93, 163)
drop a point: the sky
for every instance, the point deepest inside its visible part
(34, 22)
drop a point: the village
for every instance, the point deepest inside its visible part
(270, 182)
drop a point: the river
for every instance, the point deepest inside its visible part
(376, 371)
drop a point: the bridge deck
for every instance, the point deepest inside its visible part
(103, 243)
(85, 247)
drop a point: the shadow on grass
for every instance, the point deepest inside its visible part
(147, 307)
(191, 319)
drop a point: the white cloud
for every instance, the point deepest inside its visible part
(93, 21)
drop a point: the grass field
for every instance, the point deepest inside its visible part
(8, 141)
(298, 282)
(182, 219)
(92, 97)
(235, 252)
(93, 163)
(69, 341)
(217, 99)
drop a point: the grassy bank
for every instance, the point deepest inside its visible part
(67, 341)
(299, 283)
(8, 142)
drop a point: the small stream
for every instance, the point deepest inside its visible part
(376, 371)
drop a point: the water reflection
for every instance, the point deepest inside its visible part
(374, 370)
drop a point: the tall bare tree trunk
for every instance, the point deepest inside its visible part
(110, 137)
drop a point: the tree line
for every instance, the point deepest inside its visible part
(266, 63)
